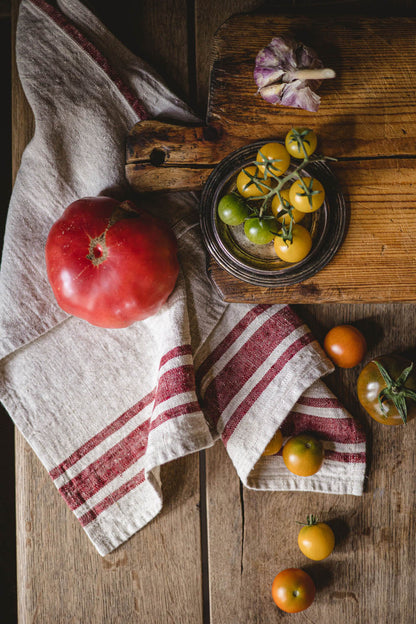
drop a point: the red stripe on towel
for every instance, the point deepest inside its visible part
(189, 384)
(246, 360)
(114, 497)
(118, 459)
(346, 458)
(62, 21)
(175, 381)
(102, 435)
(229, 340)
(342, 429)
(261, 386)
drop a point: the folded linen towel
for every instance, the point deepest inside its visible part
(104, 409)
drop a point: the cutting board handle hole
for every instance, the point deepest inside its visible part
(157, 156)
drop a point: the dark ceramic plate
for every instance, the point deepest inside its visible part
(258, 264)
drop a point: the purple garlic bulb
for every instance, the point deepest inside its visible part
(289, 73)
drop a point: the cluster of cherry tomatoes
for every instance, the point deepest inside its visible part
(270, 202)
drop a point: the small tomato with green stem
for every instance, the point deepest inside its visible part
(303, 454)
(386, 388)
(272, 158)
(294, 248)
(250, 185)
(232, 209)
(316, 540)
(307, 194)
(301, 142)
(282, 209)
(258, 230)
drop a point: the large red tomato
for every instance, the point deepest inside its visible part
(110, 263)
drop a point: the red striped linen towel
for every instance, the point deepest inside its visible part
(105, 409)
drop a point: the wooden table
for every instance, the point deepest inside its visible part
(211, 555)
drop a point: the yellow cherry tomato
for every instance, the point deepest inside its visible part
(275, 158)
(274, 445)
(316, 539)
(308, 195)
(301, 142)
(296, 250)
(247, 187)
(277, 208)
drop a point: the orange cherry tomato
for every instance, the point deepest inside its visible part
(293, 590)
(345, 345)
(316, 539)
(303, 454)
(274, 445)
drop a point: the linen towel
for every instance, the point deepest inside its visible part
(105, 409)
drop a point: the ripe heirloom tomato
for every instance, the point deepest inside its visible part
(316, 539)
(274, 445)
(110, 263)
(258, 230)
(293, 590)
(345, 345)
(296, 250)
(303, 454)
(296, 137)
(247, 187)
(232, 209)
(277, 209)
(388, 394)
(300, 199)
(275, 156)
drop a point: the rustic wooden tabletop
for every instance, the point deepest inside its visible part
(212, 553)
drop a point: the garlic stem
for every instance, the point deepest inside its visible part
(313, 74)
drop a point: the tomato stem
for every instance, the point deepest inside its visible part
(270, 170)
(396, 391)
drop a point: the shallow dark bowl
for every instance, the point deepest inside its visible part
(258, 264)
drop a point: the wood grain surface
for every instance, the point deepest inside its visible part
(212, 554)
(367, 120)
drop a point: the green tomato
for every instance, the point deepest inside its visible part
(258, 230)
(232, 209)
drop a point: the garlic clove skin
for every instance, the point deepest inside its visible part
(289, 73)
(297, 95)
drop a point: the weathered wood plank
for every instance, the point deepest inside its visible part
(367, 119)
(207, 20)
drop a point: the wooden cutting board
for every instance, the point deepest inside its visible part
(367, 120)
